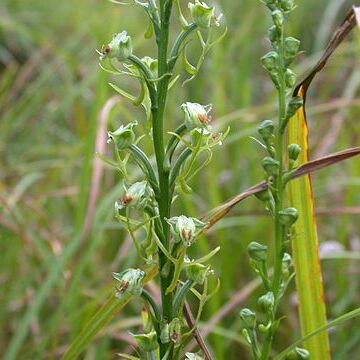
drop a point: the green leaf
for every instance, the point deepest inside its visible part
(96, 323)
(330, 324)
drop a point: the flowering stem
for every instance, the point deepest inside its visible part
(163, 173)
(279, 229)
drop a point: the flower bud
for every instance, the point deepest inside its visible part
(278, 18)
(175, 330)
(201, 135)
(263, 195)
(257, 252)
(164, 332)
(286, 264)
(270, 165)
(119, 48)
(185, 228)
(124, 136)
(138, 195)
(266, 129)
(130, 282)
(270, 61)
(193, 356)
(291, 48)
(197, 272)
(274, 34)
(290, 78)
(196, 115)
(146, 342)
(288, 216)
(202, 15)
(267, 302)
(294, 151)
(248, 318)
(287, 5)
(294, 105)
(152, 65)
(298, 354)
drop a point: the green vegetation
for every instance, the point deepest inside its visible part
(59, 238)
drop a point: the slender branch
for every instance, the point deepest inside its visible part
(197, 335)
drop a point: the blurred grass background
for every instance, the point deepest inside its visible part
(55, 266)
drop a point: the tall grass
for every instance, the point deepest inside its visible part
(51, 97)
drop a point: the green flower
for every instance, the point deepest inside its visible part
(130, 281)
(193, 356)
(120, 47)
(124, 136)
(288, 216)
(147, 342)
(185, 228)
(196, 115)
(197, 272)
(138, 195)
(202, 15)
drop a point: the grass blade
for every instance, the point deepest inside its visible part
(312, 309)
(96, 323)
(337, 321)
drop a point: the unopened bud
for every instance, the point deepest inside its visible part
(130, 281)
(270, 61)
(298, 354)
(274, 34)
(263, 195)
(152, 65)
(193, 356)
(294, 105)
(291, 48)
(124, 136)
(270, 165)
(294, 151)
(290, 78)
(288, 216)
(248, 318)
(257, 252)
(119, 48)
(266, 129)
(267, 302)
(278, 18)
(287, 5)
(147, 342)
(175, 330)
(286, 264)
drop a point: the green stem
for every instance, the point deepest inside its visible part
(278, 198)
(163, 174)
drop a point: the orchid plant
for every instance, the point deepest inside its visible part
(147, 205)
(278, 167)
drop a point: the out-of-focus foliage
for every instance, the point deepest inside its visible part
(53, 274)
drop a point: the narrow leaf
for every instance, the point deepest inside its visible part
(213, 216)
(341, 319)
(96, 323)
(312, 308)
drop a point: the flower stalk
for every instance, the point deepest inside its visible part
(167, 238)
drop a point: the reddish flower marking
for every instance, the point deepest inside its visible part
(204, 118)
(126, 199)
(106, 49)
